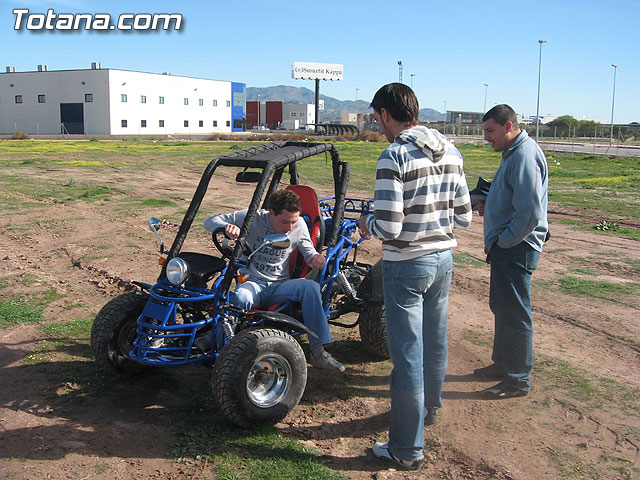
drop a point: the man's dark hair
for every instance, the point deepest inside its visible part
(500, 114)
(399, 100)
(284, 200)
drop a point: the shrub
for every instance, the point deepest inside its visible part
(20, 135)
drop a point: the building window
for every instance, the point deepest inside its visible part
(201, 123)
(161, 123)
(228, 123)
(215, 103)
(201, 102)
(143, 99)
(18, 98)
(215, 123)
(293, 114)
(143, 123)
(41, 99)
(88, 97)
(123, 98)
(186, 123)
(161, 100)
(123, 123)
(186, 101)
(228, 103)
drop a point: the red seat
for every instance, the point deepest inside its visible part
(298, 268)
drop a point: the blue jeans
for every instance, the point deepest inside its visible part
(510, 302)
(416, 300)
(262, 294)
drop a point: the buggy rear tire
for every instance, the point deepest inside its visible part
(373, 330)
(259, 377)
(114, 331)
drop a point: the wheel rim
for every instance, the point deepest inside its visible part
(269, 380)
(126, 336)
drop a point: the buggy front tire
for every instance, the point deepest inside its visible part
(114, 331)
(373, 330)
(259, 377)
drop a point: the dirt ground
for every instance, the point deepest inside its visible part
(60, 419)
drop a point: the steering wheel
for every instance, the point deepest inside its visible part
(224, 245)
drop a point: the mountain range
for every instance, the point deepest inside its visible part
(332, 106)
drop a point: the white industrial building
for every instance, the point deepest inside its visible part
(298, 115)
(108, 101)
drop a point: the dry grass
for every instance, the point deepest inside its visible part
(20, 135)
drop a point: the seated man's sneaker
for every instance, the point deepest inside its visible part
(502, 390)
(320, 358)
(491, 371)
(381, 450)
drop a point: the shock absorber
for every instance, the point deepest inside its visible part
(346, 286)
(227, 328)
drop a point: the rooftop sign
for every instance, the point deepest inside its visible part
(317, 71)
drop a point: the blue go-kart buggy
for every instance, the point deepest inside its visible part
(259, 368)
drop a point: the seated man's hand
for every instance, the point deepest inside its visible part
(362, 227)
(232, 231)
(317, 262)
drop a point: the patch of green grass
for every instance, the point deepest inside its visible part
(155, 202)
(570, 465)
(596, 288)
(463, 260)
(27, 309)
(79, 328)
(594, 391)
(584, 271)
(20, 310)
(259, 454)
(478, 338)
(624, 469)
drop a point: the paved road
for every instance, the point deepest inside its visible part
(578, 147)
(613, 150)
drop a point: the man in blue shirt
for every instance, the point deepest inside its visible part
(515, 228)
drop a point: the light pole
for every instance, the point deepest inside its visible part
(357, 100)
(613, 100)
(258, 112)
(484, 109)
(538, 104)
(400, 71)
(412, 75)
(445, 117)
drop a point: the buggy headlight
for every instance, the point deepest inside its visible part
(177, 270)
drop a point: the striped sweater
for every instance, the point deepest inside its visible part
(420, 192)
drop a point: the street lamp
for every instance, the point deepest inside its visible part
(412, 75)
(538, 104)
(445, 117)
(400, 71)
(258, 111)
(356, 106)
(615, 69)
(484, 109)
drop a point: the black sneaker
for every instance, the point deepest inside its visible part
(492, 371)
(431, 416)
(381, 450)
(502, 390)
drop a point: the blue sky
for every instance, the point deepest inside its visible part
(453, 48)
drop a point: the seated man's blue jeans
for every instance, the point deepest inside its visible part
(261, 294)
(416, 299)
(510, 302)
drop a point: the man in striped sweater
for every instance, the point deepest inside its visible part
(420, 193)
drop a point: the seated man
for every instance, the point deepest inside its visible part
(269, 282)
